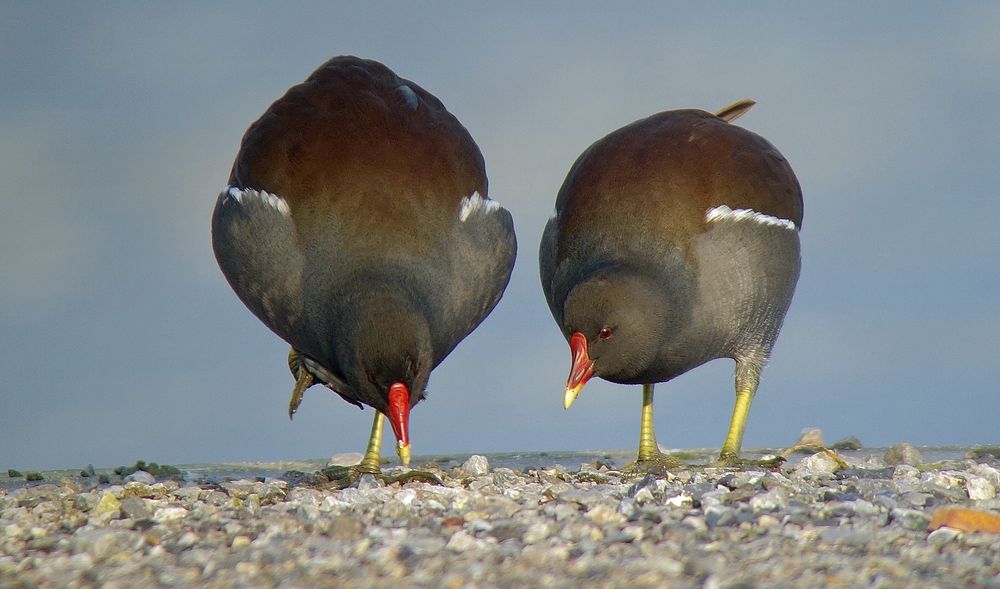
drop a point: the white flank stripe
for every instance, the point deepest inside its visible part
(474, 203)
(272, 200)
(409, 96)
(724, 213)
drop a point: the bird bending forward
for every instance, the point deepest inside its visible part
(356, 225)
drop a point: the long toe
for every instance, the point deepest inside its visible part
(734, 461)
(659, 465)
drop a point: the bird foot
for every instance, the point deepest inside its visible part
(658, 464)
(341, 477)
(734, 461)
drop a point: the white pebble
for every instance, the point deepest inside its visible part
(169, 514)
(141, 476)
(980, 489)
(476, 465)
(461, 541)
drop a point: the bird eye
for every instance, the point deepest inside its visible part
(605, 333)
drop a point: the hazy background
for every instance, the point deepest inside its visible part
(120, 339)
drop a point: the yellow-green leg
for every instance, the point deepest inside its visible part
(737, 425)
(372, 462)
(650, 459)
(747, 379)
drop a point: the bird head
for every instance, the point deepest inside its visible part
(396, 384)
(613, 324)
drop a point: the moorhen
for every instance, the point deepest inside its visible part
(675, 241)
(356, 225)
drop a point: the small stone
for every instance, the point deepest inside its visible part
(346, 528)
(980, 489)
(772, 500)
(848, 443)
(646, 483)
(104, 543)
(911, 519)
(536, 532)
(476, 465)
(187, 540)
(695, 523)
(716, 497)
(165, 514)
(240, 541)
(682, 500)
(746, 478)
(32, 496)
(988, 472)
(633, 533)
(811, 436)
(508, 530)
(817, 464)
(187, 493)
(847, 536)
(719, 515)
(243, 488)
(917, 499)
(461, 541)
(602, 514)
(135, 508)
(108, 504)
(346, 459)
(141, 476)
(942, 536)
(944, 479)
(903, 453)
(368, 481)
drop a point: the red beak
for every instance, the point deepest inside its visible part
(582, 368)
(399, 418)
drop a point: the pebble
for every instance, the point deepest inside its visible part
(811, 436)
(980, 488)
(809, 524)
(346, 459)
(903, 453)
(476, 465)
(848, 443)
(816, 465)
(135, 508)
(141, 476)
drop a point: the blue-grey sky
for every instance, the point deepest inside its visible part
(120, 339)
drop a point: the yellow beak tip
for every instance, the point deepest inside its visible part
(404, 454)
(570, 396)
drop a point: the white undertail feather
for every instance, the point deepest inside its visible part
(724, 213)
(272, 200)
(474, 204)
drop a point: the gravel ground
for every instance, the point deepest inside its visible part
(812, 523)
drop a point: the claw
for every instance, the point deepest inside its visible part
(302, 382)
